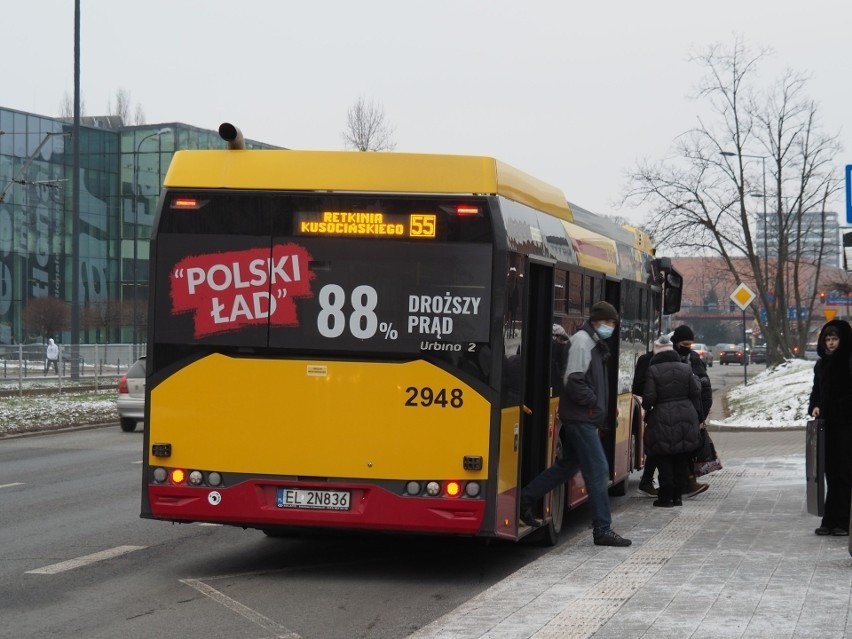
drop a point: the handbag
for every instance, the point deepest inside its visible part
(706, 459)
(815, 466)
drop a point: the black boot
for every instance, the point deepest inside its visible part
(664, 497)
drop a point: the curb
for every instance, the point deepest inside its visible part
(742, 428)
(56, 429)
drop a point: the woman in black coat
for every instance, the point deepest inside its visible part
(672, 399)
(831, 400)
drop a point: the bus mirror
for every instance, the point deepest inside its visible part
(673, 291)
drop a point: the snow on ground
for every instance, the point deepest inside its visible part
(776, 398)
(50, 412)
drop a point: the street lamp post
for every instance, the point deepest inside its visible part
(154, 134)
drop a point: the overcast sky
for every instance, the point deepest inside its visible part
(571, 92)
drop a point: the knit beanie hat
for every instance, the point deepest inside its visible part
(663, 343)
(683, 334)
(603, 311)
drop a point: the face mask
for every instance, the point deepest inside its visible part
(683, 350)
(604, 331)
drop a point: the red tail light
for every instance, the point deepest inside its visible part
(122, 384)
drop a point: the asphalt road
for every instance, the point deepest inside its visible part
(77, 561)
(74, 497)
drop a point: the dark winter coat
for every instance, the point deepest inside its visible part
(832, 389)
(700, 371)
(585, 392)
(672, 401)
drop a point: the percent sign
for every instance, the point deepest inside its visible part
(389, 331)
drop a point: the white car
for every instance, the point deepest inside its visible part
(704, 353)
(131, 396)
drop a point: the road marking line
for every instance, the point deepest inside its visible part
(71, 564)
(232, 604)
(17, 483)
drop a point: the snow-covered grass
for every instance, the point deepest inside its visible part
(49, 412)
(776, 398)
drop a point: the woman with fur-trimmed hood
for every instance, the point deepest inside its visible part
(672, 399)
(831, 400)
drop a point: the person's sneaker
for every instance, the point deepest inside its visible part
(611, 538)
(659, 503)
(839, 532)
(695, 488)
(822, 531)
(529, 519)
(647, 490)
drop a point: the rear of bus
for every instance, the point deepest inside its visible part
(319, 345)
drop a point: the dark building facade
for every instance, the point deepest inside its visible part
(121, 172)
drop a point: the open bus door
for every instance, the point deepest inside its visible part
(616, 437)
(538, 433)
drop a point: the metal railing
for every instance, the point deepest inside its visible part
(25, 366)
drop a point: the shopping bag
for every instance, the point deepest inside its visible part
(706, 451)
(706, 459)
(703, 468)
(815, 466)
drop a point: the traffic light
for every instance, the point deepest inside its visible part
(822, 297)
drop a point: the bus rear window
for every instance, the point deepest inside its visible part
(423, 219)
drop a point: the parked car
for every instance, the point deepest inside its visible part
(131, 396)
(730, 354)
(704, 353)
(757, 355)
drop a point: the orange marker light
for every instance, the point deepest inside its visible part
(453, 489)
(184, 203)
(178, 476)
(467, 210)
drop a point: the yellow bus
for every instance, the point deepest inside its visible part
(363, 341)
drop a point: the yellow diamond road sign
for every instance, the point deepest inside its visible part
(743, 296)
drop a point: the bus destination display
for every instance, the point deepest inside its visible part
(366, 224)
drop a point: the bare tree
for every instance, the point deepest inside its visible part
(100, 316)
(123, 105)
(66, 106)
(46, 316)
(138, 115)
(367, 129)
(703, 201)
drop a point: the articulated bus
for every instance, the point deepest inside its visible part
(364, 341)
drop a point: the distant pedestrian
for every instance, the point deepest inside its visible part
(672, 401)
(51, 356)
(831, 401)
(583, 409)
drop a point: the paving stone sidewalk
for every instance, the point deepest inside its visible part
(741, 560)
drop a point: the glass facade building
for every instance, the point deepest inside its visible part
(121, 172)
